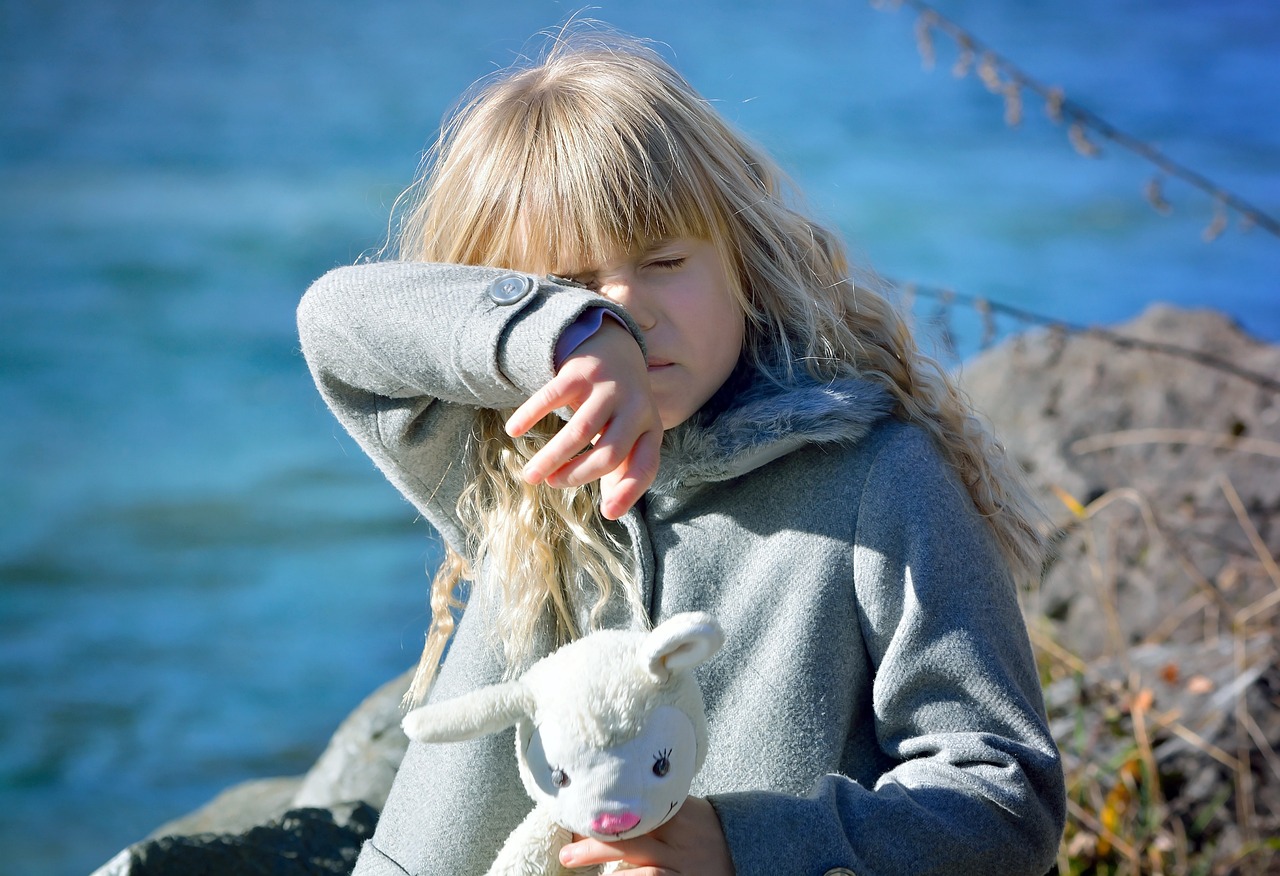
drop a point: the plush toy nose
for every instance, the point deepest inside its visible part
(609, 823)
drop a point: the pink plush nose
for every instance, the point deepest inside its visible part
(609, 823)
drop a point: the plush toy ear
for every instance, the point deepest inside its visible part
(681, 642)
(487, 710)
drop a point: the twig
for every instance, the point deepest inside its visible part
(1246, 614)
(1125, 342)
(1089, 820)
(1245, 812)
(1139, 707)
(1047, 644)
(1264, 746)
(1106, 598)
(1177, 618)
(1251, 531)
(1109, 440)
(1186, 734)
(1079, 118)
(1153, 524)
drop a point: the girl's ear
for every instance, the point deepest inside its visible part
(680, 643)
(487, 710)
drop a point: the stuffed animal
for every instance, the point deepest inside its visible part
(610, 731)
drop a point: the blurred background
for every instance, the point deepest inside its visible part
(200, 575)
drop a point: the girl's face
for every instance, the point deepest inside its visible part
(678, 293)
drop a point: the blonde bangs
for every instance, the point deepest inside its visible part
(559, 168)
(605, 177)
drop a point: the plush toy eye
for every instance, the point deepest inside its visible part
(559, 778)
(662, 763)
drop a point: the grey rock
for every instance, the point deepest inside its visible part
(301, 842)
(237, 809)
(289, 825)
(364, 754)
(1157, 442)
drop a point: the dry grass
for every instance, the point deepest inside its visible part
(1130, 725)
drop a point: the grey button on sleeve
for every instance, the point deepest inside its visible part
(511, 288)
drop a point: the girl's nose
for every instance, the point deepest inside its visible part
(630, 296)
(610, 823)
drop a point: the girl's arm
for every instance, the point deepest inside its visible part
(405, 353)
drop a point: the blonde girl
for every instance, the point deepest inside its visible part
(624, 376)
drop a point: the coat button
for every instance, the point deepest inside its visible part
(510, 288)
(840, 871)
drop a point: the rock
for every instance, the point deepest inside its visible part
(294, 825)
(237, 809)
(1157, 444)
(299, 843)
(363, 756)
(1195, 685)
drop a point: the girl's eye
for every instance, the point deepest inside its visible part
(662, 763)
(667, 264)
(559, 778)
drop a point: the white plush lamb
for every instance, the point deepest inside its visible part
(610, 731)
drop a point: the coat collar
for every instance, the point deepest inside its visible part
(755, 420)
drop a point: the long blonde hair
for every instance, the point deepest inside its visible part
(599, 147)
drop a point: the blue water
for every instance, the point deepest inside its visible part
(199, 574)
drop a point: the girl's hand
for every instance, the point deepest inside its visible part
(615, 432)
(690, 844)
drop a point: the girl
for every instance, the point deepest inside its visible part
(706, 413)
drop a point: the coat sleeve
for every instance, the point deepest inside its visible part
(406, 353)
(974, 782)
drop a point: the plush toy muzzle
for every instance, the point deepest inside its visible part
(610, 731)
(616, 792)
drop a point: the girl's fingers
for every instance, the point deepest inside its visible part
(612, 448)
(623, 486)
(546, 401)
(615, 432)
(576, 436)
(588, 852)
(601, 437)
(687, 845)
(604, 454)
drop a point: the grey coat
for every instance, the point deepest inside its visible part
(876, 706)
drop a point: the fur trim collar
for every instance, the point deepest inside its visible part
(764, 422)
